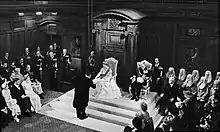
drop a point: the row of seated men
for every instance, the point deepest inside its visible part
(191, 98)
(53, 62)
(20, 95)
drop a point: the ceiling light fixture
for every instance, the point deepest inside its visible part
(39, 13)
(54, 13)
(20, 14)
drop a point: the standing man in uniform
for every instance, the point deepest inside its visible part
(6, 58)
(66, 61)
(91, 63)
(39, 66)
(157, 76)
(27, 57)
(53, 67)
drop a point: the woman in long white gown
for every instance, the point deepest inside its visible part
(106, 86)
(10, 102)
(35, 99)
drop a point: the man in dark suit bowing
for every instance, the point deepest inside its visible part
(81, 98)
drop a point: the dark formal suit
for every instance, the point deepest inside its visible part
(136, 89)
(5, 60)
(81, 97)
(28, 59)
(53, 68)
(156, 73)
(91, 65)
(4, 72)
(24, 103)
(169, 93)
(65, 59)
(39, 67)
(22, 67)
(4, 116)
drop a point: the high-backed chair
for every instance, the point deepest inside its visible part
(113, 63)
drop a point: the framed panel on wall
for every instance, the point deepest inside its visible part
(75, 44)
(191, 32)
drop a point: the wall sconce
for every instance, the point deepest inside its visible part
(39, 13)
(20, 14)
(96, 31)
(126, 33)
(54, 13)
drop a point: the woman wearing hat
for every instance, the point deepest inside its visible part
(35, 99)
(10, 102)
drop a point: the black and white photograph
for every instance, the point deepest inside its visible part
(109, 65)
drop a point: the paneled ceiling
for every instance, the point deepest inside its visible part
(10, 8)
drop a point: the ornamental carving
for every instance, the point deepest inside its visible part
(114, 24)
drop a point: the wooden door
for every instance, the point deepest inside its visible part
(114, 46)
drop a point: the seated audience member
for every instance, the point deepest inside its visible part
(217, 77)
(195, 76)
(16, 74)
(214, 89)
(210, 121)
(18, 93)
(165, 78)
(12, 66)
(37, 86)
(189, 88)
(10, 102)
(181, 77)
(202, 96)
(4, 71)
(35, 99)
(6, 58)
(149, 126)
(139, 69)
(138, 124)
(128, 129)
(169, 95)
(21, 65)
(209, 81)
(171, 73)
(158, 129)
(136, 86)
(4, 112)
(166, 125)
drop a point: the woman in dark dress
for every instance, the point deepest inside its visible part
(18, 93)
(5, 112)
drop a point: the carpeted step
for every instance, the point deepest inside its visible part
(111, 110)
(90, 123)
(65, 106)
(113, 114)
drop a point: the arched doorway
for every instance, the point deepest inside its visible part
(115, 34)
